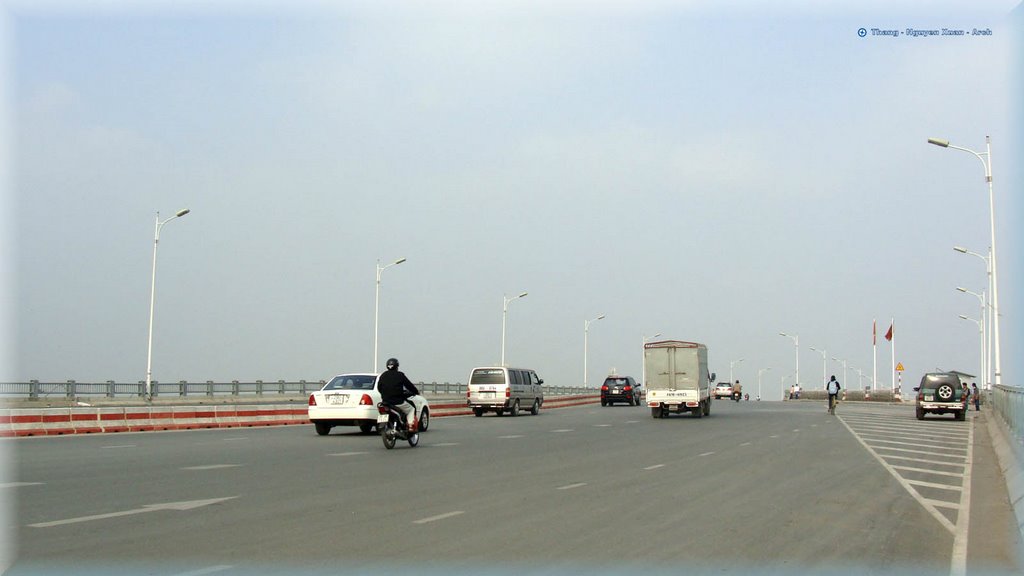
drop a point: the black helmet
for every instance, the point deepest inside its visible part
(392, 364)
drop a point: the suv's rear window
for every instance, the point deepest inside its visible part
(616, 381)
(487, 376)
(934, 381)
(351, 383)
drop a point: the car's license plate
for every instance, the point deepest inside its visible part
(929, 398)
(338, 399)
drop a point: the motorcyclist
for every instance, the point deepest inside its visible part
(396, 389)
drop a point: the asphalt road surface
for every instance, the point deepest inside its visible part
(755, 488)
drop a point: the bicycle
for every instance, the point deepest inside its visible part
(833, 400)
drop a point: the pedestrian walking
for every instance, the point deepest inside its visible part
(977, 398)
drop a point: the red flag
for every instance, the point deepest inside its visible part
(888, 335)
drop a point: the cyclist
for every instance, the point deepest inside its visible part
(833, 388)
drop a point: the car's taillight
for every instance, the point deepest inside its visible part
(312, 400)
(365, 400)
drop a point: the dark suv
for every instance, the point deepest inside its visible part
(620, 389)
(941, 393)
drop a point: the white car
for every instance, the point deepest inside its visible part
(351, 400)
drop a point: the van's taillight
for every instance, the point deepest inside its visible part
(365, 400)
(312, 400)
(508, 392)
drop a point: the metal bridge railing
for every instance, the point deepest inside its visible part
(1008, 403)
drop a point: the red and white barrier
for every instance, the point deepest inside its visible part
(97, 420)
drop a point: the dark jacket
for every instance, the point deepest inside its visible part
(395, 388)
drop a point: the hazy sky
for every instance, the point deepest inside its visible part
(699, 169)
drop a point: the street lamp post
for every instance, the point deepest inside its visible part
(504, 315)
(643, 357)
(986, 162)
(586, 331)
(987, 315)
(843, 362)
(984, 349)
(152, 300)
(796, 343)
(981, 332)
(376, 307)
(731, 364)
(824, 365)
(759, 372)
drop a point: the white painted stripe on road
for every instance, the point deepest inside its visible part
(923, 460)
(19, 484)
(443, 444)
(656, 466)
(873, 438)
(913, 451)
(926, 471)
(602, 425)
(438, 517)
(563, 430)
(235, 438)
(943, 504)
(774, 436)
(211, 467)
(120, 446)
(207, 570)
(178, 506)
(958, 564)
(745, 444)
(347, 453)
(511, 436)
(706, 454)
(571, 486)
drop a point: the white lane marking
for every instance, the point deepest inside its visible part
(186, 505)
(602, 425)
(563, 430)
(656, 466)
(796, 430)
(632, 421)
(934, 485)
(571, 486)
(441, 444)
(511, 436)
(706, 454)
(745, 444)
(348, 453)
(926, 471)
(207, 570)
(774, 436)
(211, 467)
(234, 438)
(19, 484)
(120, 446)
(438, 517)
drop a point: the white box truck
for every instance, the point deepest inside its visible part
(677, 378)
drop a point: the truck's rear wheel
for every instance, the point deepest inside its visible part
(656, 412)
(698, 412)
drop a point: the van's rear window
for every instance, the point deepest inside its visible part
(487, 376)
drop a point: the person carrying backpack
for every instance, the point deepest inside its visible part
(833, 388)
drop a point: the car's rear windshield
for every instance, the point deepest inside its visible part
(351, 382)
(936, 380)
(616, 381)
(487, 376)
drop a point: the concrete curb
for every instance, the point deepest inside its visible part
(21, 422)
(1011, 462)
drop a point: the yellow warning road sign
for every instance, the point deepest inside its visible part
(899, 367)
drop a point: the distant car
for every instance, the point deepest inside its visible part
(723, 390)
(351, 400)
(941, 393)
(620, 389)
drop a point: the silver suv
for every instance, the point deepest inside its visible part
(941, 393)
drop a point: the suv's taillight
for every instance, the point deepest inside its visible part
(628, 388)
(312, 400)
(604, 387)
(365, 400)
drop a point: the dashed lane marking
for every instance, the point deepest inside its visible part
(571, 486)
(438, 517)
(211, 467)
(655, 467)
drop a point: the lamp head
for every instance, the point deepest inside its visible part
(938, 142)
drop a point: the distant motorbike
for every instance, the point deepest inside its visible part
(736, 396)
(393, 427)
(746, 397)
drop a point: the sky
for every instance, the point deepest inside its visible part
(716, 172)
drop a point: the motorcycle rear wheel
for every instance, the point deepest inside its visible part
(388, 436)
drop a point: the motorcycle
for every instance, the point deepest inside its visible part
(393, 427)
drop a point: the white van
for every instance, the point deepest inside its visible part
(499, 388)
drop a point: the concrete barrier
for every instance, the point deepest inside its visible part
(17, 422)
